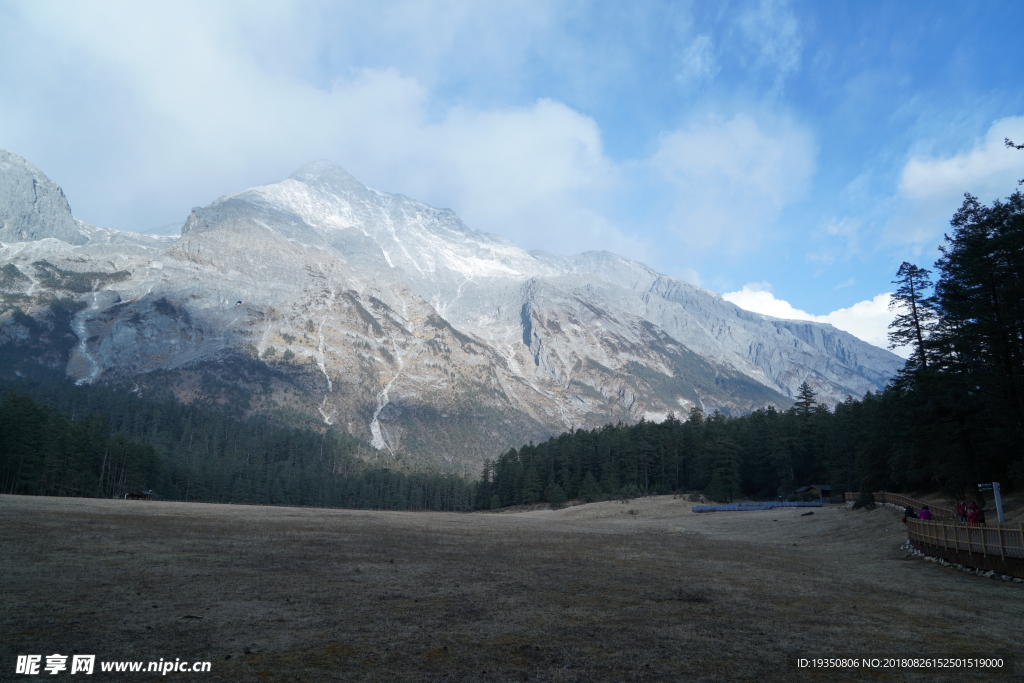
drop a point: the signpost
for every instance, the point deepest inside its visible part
(994, 488)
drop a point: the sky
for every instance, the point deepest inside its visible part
(789, 155)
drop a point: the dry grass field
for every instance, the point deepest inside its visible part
(638, 591)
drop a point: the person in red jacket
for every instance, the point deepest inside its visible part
(975, 515)
(961, 512)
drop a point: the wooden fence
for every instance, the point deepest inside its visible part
(999, 541)
(938, 512)
(997, 547)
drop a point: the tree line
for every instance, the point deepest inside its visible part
(62, 440)
(761, 455)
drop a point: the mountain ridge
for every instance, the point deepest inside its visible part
(398, 323)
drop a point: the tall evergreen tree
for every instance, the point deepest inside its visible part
(917, 317)
(532, 491)
(806, 400)
(590, 490)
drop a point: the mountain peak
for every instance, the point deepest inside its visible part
(326, 173)
(33, 207)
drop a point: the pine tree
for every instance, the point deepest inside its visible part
(609, 480)
(531, 486)
(555, 495)
(590, 490)
(725, 470)
(918, 317)
(806, 400)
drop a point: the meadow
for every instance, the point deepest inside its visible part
(635, 590)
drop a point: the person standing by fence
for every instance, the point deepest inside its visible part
(925, 513)
(908, 513)
(975, 515)
(961, 512)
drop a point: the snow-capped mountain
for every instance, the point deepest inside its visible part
(327, 301)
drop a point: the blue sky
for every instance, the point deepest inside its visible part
(787, 154)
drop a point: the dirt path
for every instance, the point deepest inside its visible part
(637, 591)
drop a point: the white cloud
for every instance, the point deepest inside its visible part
(698, 61)
(988, 166)
(867, 320)
(838, 238)
(732, 178)
(757, 297)
(143, 110)
(175, 105)
(533, 173)
(931, 188)
(774, 32)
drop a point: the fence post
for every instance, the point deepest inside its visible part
(1002, 554)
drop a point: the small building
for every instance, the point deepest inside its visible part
(823, 492)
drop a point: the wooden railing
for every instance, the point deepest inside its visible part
(999, 548)
(938, 512)
(999, 541)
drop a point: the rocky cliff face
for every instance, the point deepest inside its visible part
(328, 302)
(32, 206)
